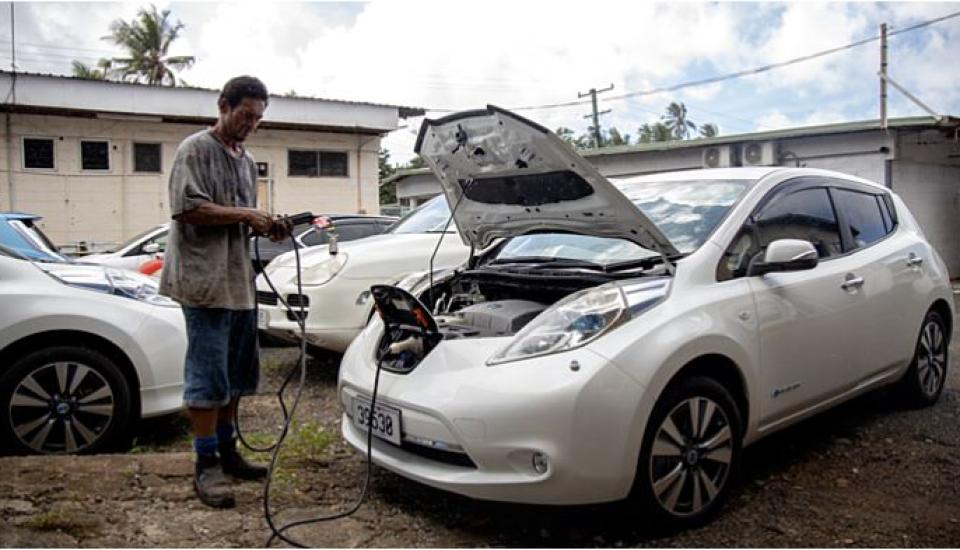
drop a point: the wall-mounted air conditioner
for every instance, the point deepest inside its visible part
(760, 153)
(719, 156)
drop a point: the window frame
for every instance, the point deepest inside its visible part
(133, 156)
(801, 183)
(23, 154)
(318, 153)
(109, 167)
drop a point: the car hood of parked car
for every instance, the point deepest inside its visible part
(389, 248)
(506, 176)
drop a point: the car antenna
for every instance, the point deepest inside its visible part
(464, 185)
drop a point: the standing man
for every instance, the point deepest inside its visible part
(208, 271)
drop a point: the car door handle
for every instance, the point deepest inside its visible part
(852, 282)
(914, 260)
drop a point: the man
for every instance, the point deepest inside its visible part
(208, 271)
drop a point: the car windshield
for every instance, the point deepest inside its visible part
(28, 241)
(429, 218)
(686, 212)
(139, 237)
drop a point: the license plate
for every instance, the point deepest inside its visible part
(261, 319)
(385, 420)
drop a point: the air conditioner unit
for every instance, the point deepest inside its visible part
(760, 153)
(720, 156)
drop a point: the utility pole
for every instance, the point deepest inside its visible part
(596, 114)
(883, 76)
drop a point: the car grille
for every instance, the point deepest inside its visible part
(296, 300)
(266, 298)
(447, 457)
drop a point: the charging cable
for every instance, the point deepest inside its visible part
(288, 416)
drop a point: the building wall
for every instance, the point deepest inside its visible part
(932, 192)
(113, 205)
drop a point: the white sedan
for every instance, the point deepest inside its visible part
(336, 287)
(85, 351)
(137, 251)
(629, 338)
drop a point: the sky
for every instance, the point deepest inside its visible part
(461, 55)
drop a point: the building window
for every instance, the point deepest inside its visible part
(38, 153)
(317, 163)
(94, 155)
(146, 158)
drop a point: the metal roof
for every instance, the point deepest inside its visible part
(802, 131)
(70, 96)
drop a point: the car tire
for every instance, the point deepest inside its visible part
(690, 455)
(923, 382)
(64, 400)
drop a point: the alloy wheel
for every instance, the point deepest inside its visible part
(932, 358)
(691, 456)
(61, 407)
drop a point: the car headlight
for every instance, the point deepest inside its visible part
(110, 281)
(321, 273)
(583, 317)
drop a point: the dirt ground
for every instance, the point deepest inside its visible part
(866, 474)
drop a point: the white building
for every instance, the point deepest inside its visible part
(918, 157)
(93, 157)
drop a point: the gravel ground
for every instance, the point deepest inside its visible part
(866, 474)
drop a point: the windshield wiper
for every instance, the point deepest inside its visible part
(551, 261)
(645, 263)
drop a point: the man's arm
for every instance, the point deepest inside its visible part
(210, 213)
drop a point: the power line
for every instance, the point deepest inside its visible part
(730, 76)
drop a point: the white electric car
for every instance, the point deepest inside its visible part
(336, 287)
(84, 352)
(623, 338)
(137, 251)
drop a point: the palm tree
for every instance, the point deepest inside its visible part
(658, 131)
(614, 137)
(147, 39)
(676, 120)
(101, 72)
(709, 130)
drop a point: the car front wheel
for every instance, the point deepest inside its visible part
(64, 400)
(690, 454)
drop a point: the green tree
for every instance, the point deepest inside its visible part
(709, 130)
(676, 120)
(388, 193)
(415, 162)
(615, 138)
(658, 131)
(147, 39)
(583, 141)
(101, 72)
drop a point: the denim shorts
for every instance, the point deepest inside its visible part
(223, 358)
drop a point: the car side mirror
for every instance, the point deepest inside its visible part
(151, 248)
(786, 255)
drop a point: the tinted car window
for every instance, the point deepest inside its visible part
(807, 214)
(862, 214)
(353, 231)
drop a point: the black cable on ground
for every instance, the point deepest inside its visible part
(278, 532)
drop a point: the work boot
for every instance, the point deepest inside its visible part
(210, 484)
(235, 465)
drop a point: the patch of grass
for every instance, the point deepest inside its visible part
(305, 443)
(59, 520)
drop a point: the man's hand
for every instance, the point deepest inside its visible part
(282, 228)
(260, 222)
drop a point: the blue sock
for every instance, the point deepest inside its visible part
(205, 446)
(225, 435)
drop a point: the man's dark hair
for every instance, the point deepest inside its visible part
(240, 87)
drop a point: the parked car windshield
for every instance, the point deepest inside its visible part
(429, 218)
(686, 212)
(28, 241)
(130, 241)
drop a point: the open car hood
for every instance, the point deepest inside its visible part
(504, 176)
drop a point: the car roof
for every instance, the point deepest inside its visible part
(19, 216)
